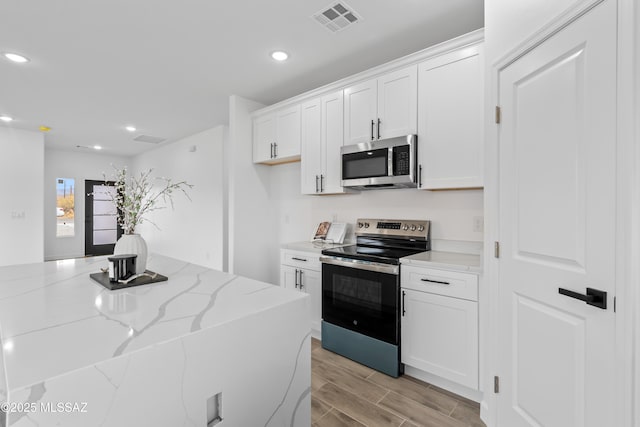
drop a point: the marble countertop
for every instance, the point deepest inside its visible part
(55, 319)
(446, 260)
(315, 247)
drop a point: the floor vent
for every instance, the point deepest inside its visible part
(149, 139)
(337, 16)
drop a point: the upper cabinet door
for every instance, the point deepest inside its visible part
(332, 140)
(398, 103)
(360, 112)
(450, 120)
(288, 133)
(311, 147)
(264, 135)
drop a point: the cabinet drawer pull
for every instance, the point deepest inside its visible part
(298, 259)
(436, 281)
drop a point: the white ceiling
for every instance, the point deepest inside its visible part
(168, 67)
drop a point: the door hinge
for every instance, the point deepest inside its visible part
(496, 249)
(498, 115)
(496, 384)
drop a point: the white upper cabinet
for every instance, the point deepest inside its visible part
(450, 120)
(264, 135)
(381, 108)
(311, 148)
(276, 136)
(398, 103)
(322, 136)
(360, 112)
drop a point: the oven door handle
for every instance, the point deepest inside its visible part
(361, 265)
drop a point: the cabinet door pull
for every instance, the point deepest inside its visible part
(372, 125)
(419, 176)
(296, 278)
(275, 150)
(379, 121)
(316, 183)
(321, 183)
(435, 281)
(298, 259)
(301, 286)
(271, 153)
(403, 310)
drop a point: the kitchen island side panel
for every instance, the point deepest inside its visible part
(259, 365)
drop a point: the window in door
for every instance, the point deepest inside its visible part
(65, 207)
(101, 225)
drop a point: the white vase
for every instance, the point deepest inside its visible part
(129, 244)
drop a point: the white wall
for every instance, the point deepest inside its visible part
(79, 165)
(192, 231)
(451, 212)
(253, 234)
(21, 203)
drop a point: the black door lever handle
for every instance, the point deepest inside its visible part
(594, 297)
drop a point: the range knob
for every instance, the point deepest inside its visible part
(405, 227)
(366, 225)
(421, 228)
(360, 225)
(413, 227)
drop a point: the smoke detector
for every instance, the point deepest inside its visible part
(337, 16)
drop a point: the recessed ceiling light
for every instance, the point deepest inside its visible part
(6, 118)
(16, 58)
(279, 55)
(130, 128)
(97, 147)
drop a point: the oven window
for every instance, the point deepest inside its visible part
(349, 291)
(366, 164)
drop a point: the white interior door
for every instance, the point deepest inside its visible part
(557, 144)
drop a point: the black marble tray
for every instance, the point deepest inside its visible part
(103, 279)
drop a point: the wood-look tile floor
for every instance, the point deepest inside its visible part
(345, 393)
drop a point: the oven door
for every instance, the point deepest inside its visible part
(362, 297)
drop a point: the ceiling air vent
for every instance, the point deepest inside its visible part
(337, 16)
(149, 139)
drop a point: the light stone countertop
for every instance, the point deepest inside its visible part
(55, 319)
(467, 263)
(315, 247)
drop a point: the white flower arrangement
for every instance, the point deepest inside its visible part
(134, 198)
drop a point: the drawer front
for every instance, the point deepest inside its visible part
(440, 282)
(308, 260)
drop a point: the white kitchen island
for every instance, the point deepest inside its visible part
(200, 347)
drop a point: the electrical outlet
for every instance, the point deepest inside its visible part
(478, 224)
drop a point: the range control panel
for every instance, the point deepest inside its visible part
(391, 227)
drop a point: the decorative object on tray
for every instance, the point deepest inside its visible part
(121, 267)
(134, 198)
(134, 280)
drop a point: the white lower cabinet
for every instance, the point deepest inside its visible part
(303, 271)
(440, 332)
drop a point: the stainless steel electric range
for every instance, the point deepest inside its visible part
(361, 291)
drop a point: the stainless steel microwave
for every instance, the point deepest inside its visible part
(386, 163)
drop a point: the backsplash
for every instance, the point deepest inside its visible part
(454, 214)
